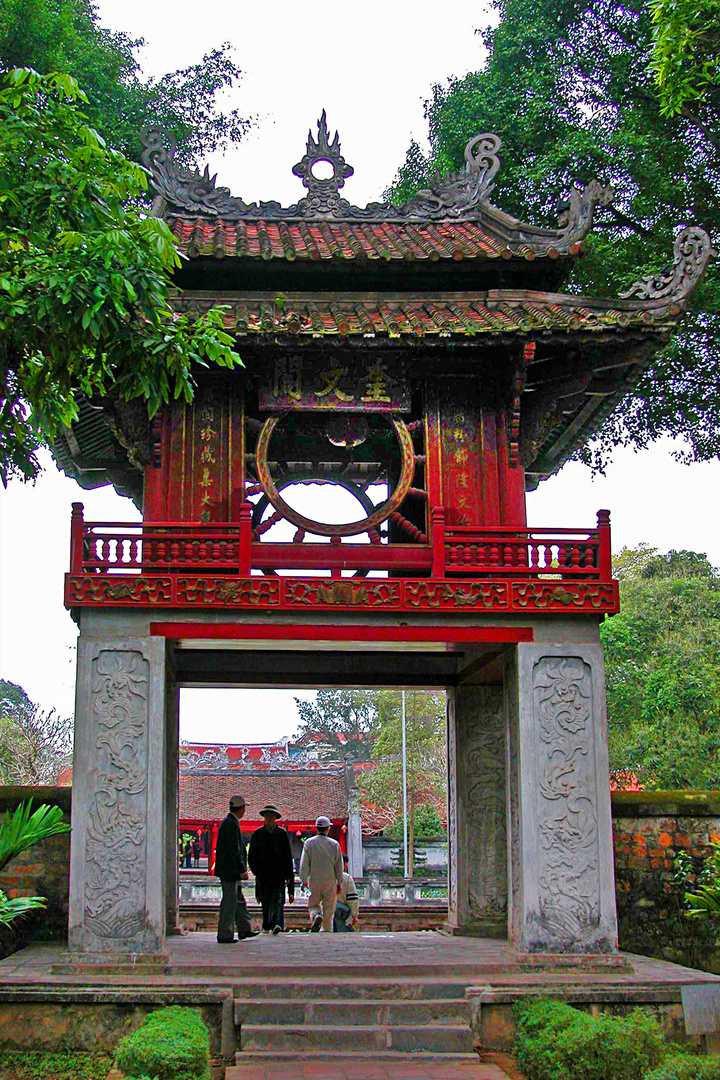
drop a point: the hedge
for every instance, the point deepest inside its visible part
(556, 1042)
(170, 1044)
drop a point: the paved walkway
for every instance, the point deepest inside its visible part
(366, 1070)
(197, 960)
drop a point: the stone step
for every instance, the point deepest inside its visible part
(237, 967)
(272, 1061)
(364, 1012)
(331, 987)
(356, 1038)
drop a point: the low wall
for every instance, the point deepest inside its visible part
(388, 918)
(381, 855)
(649, 828)
(43, 870)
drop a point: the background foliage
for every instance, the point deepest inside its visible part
(66, 36)
(84, 275)
(662, 655)
(569, 87)
(35, 745)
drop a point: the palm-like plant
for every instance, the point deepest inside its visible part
(19, 832)
(704, 903)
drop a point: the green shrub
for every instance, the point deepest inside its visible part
(680, 1066)
(557, 1042)
(171, 1044)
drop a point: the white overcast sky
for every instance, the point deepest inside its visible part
(371, 66)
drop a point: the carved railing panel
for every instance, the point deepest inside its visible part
(523, 553)
(119, 549)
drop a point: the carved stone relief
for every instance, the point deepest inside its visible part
(115, 850)
(485, 805)
(566, 806)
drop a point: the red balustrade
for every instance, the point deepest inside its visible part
(523, 553)
(231, 548)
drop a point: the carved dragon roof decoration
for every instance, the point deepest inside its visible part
(460, 196)
(692, 252)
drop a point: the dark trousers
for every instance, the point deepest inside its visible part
(272, 902)
(233, 912)
(342, 912)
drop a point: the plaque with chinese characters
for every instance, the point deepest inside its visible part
(360, 386)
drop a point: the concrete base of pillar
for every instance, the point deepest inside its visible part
(496, 931)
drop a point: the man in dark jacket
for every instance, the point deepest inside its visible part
(270, 860)
(231, 868)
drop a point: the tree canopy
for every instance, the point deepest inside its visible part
(662, 655)
(84, 275)
(65, 36)
(569, 87)
(425, 756)
(367, 724)
(340, 721)
(35, 745)
(686, 54)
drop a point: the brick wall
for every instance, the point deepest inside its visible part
(649, 828)
(43, 870)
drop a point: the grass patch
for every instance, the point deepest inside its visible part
(22, 1065)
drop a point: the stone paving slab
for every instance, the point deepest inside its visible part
(196, 960)
(365, 1070)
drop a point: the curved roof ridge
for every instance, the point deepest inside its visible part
(460, 196)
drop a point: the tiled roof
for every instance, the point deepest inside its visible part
(300, 796)
(316, 240)
(440, 316)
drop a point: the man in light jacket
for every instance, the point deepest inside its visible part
(321, 868)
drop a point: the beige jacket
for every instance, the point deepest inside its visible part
(349, 895)
(321, 862)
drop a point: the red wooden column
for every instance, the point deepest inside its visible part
(76, 538)
(245, 541)
(605, 557)
(437, 539)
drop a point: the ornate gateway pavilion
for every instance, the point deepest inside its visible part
(418, 363)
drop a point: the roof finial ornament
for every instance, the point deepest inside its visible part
(323, 197)
(456, 194)
(692, 252)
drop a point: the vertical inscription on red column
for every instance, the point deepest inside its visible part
(207, 464)
(460, 450)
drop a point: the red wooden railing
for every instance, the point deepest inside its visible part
(164, 547)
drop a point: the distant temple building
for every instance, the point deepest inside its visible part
(281, 773)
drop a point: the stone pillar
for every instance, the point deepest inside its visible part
(118, 847)
(354, 836)
(477, 828)
(562, 890)
(172, 805)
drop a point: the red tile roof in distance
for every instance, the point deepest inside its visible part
(300, 796)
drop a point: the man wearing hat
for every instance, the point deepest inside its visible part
(231, 868)
(321, 867)
(270, 860)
